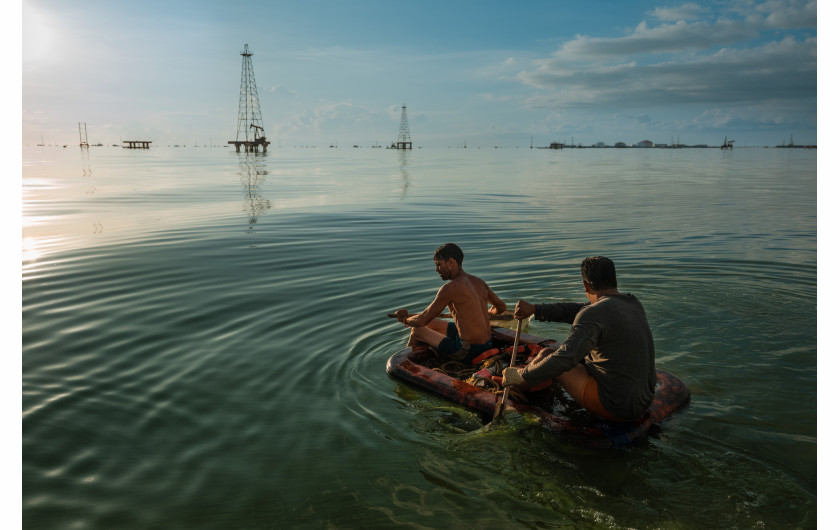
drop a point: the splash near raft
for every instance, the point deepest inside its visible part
(478, 387)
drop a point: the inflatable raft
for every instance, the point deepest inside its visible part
(476, 387)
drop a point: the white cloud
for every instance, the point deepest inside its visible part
(777, 70)
(681, 63)
(779, 14)
(337, 119)
(281, 90)
(664, 38)
(684, 12)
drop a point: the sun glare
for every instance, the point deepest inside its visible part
(31, 252)
(37, 35)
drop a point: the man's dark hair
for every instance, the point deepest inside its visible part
(449, 250)
(599, 272)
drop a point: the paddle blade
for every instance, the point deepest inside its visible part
(500, 405)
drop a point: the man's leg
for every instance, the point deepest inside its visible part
(575, 383)
(438, 325)
(574, 380)
(431, 334)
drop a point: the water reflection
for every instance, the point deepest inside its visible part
(31, 250)
(404, 162)
(252, 173)
(86, 172)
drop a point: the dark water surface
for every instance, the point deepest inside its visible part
(205, 336)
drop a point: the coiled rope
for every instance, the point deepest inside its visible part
(470, 375)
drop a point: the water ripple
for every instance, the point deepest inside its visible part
(204, 339)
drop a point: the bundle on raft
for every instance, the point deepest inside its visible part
(478, 388)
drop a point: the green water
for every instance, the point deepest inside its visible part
(205, 336)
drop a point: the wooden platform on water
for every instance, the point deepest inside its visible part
(136, 144)
(251, 146)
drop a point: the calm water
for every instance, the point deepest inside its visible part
(205, 336)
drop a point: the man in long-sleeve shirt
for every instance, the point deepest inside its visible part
(610, 334)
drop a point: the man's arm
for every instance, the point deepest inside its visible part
(582, 338)
(441, 301)
(552, 312)
(498, 304)
(558, 311)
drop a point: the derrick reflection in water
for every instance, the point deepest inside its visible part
(404, 163)
(86, 172)
(252, 173)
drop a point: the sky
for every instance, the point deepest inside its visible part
(489, 73)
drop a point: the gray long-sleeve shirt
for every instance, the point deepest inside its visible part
(613, 338)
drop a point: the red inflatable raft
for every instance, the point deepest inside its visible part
(413, 365)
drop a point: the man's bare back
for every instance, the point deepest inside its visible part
(467, 298)
(470, 297)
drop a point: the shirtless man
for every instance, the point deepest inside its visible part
(467, 298)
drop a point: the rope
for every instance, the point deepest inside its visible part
(467, 372)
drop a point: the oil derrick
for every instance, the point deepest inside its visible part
(249, 131)
(85, 146)
(83, 140)
(404, 139)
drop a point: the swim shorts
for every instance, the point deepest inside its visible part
(454, 348)
(592, 401)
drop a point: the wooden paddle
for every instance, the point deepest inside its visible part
(500, 406)
(448, 315)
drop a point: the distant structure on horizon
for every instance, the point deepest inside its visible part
(83, 140)
(404, 138)
(250, 133)
(791, 144)
(136, 144)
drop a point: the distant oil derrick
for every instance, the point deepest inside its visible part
(83, 140)
(250, 133)
(404, 138)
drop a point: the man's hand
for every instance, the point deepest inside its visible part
(523, 310)
(402, 314)
(511, 377)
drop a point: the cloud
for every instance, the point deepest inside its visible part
(778, 70)
(665, 38)
(282, 91)
(682, 63)
(37, 116)
(336, 119)
(395, 112)
(779, 14)
(683, 12)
